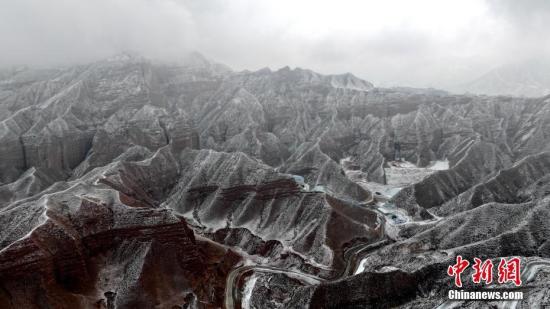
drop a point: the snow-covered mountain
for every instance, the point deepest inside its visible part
(529, 78)
(131, 183)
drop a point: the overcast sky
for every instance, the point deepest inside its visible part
(414, 43)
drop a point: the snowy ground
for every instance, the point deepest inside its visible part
(247, 293)
(439, 165)
(362, 265)
(399, 174)
(405, 173)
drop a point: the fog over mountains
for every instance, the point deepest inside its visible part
(132, 183)
(529, 78)
(422, 44)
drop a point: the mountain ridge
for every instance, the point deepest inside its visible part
(133, 183)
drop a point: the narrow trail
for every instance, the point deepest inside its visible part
(353, 258)
(232, 293)
(529, 272)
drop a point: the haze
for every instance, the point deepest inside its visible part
(428, 43)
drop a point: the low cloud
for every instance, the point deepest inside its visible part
(396, 42)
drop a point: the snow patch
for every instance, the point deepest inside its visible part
(247, 293)
(440, 165)
(361, 267)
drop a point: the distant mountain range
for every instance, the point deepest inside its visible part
(529, 78)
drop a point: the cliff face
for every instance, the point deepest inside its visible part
(128, 183)
(103, 239)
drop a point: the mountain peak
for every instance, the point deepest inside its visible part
(126, 56)
(530, 78)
